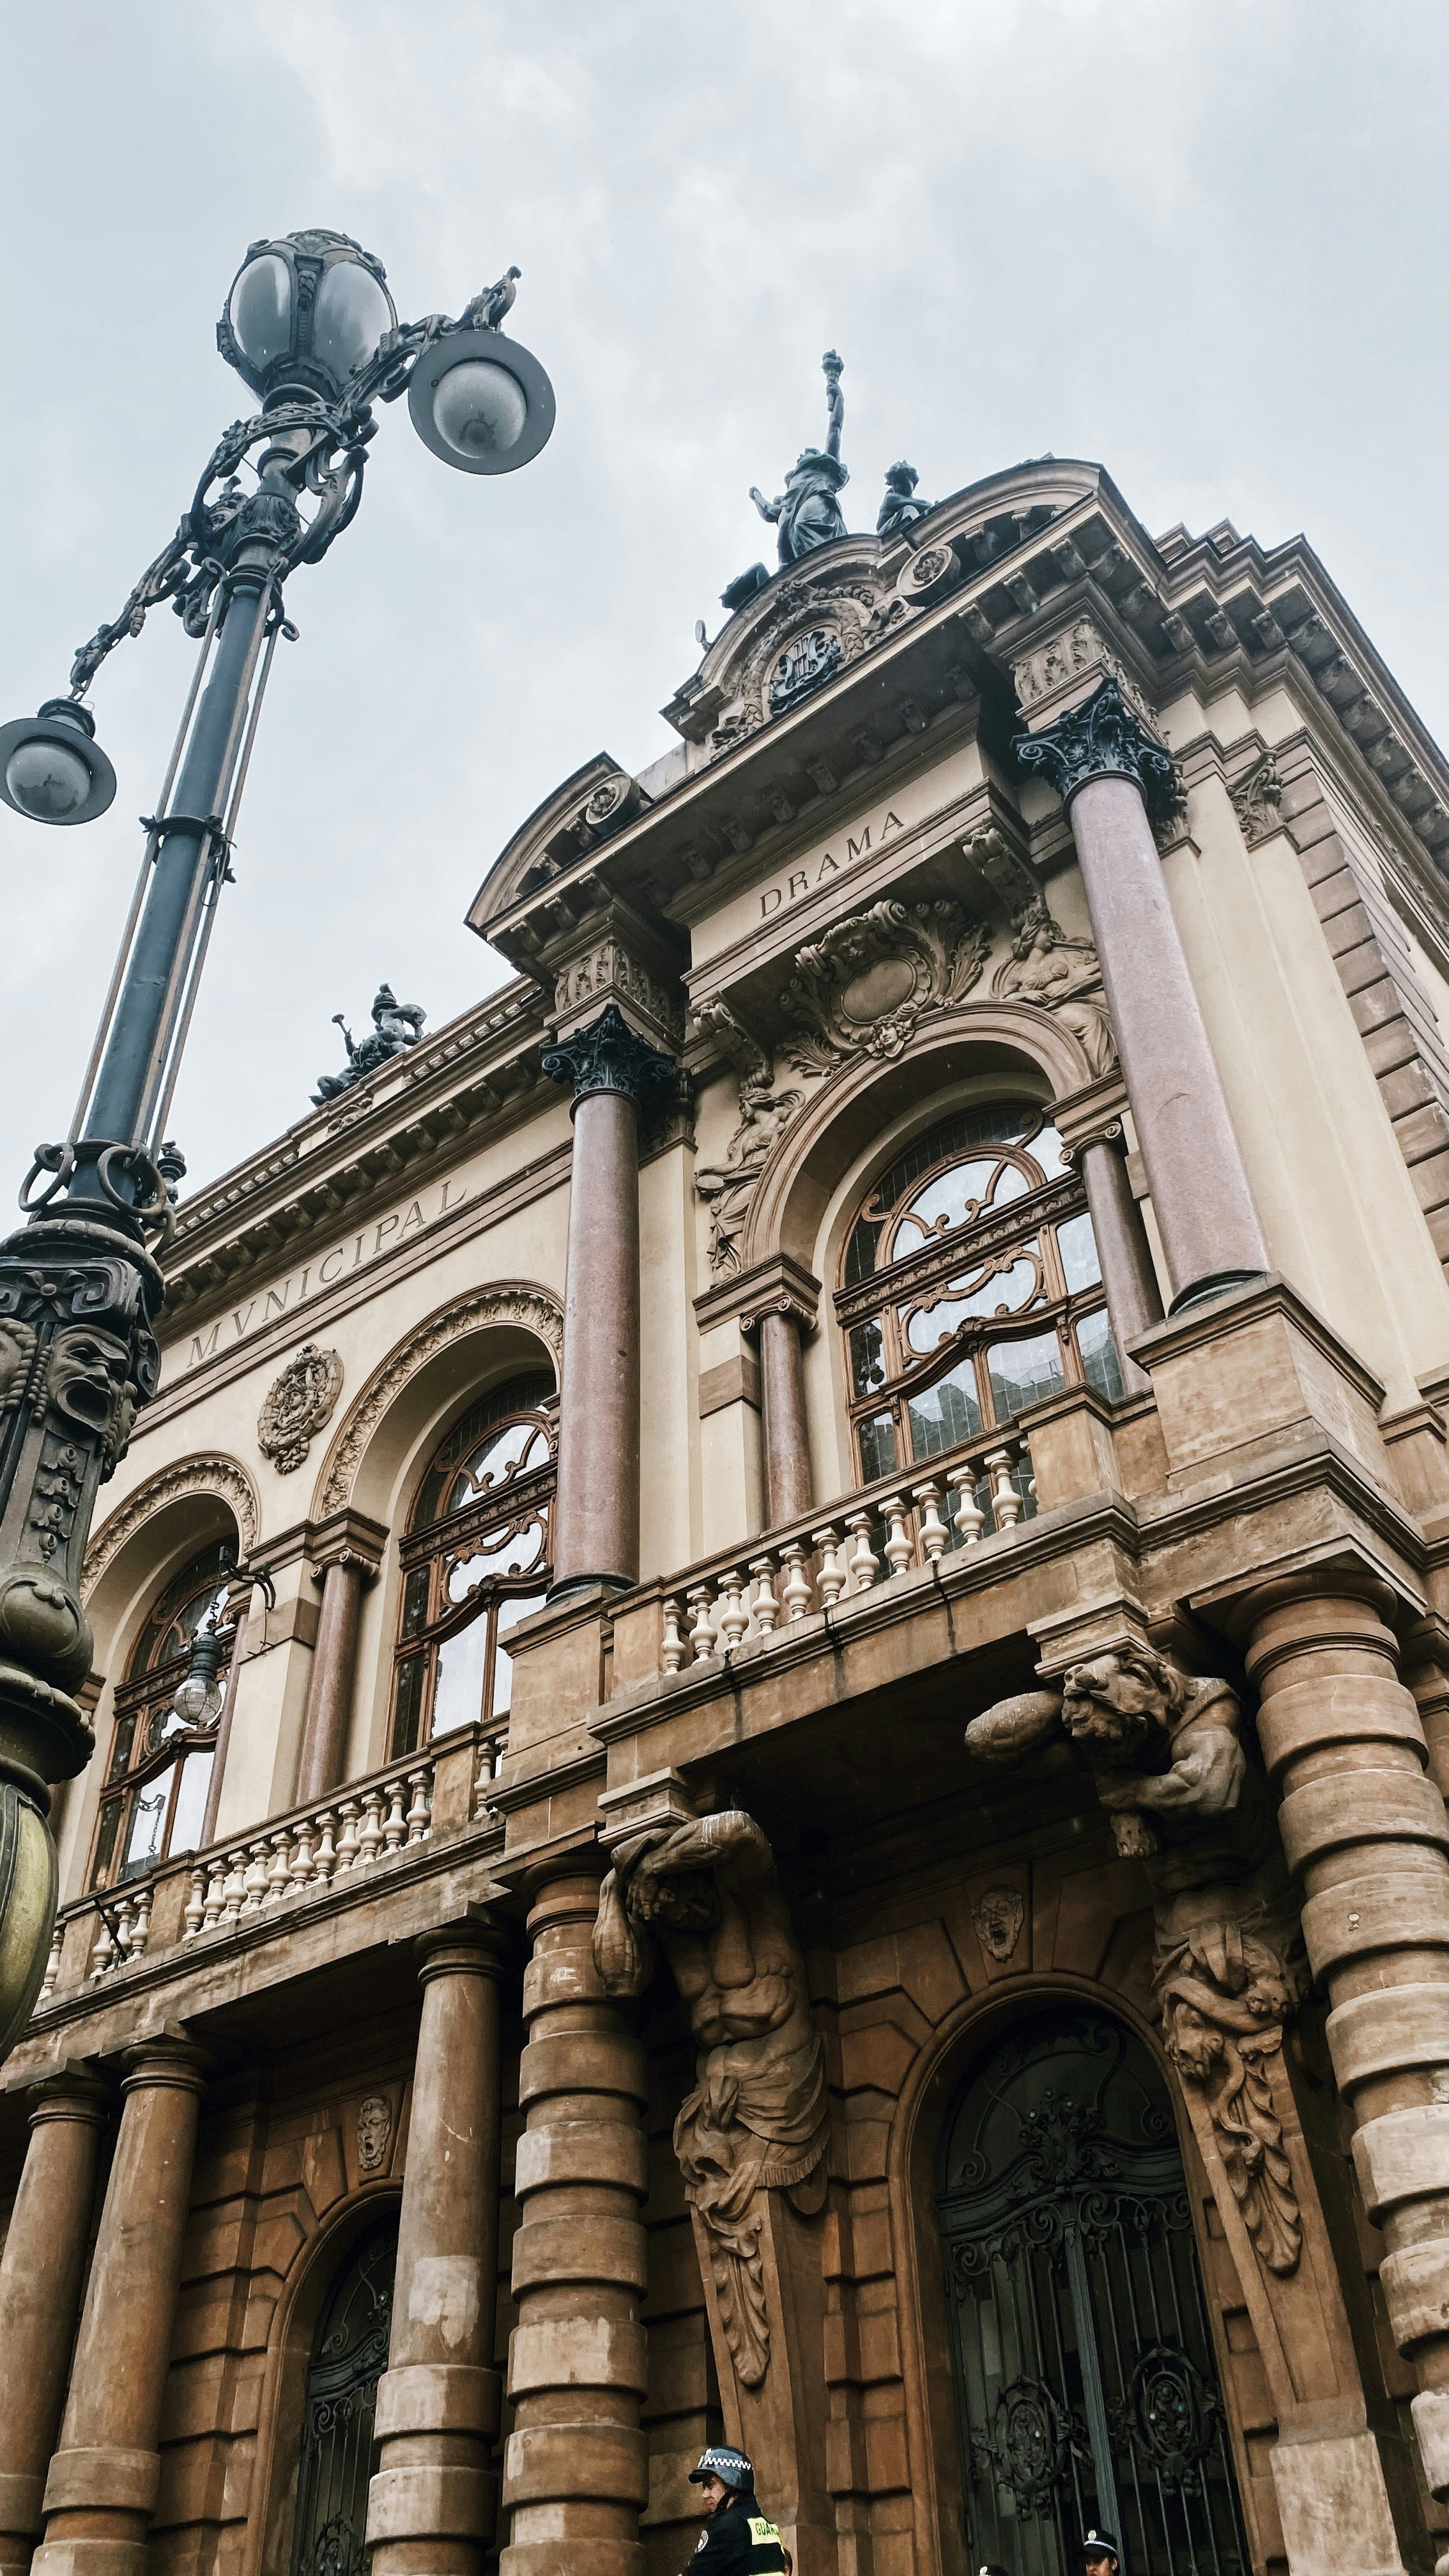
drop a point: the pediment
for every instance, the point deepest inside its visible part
(578, 817)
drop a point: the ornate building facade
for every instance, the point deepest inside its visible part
(772, 1696)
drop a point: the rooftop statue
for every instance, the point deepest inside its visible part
(807, 511)
(900, 509)
(396, 1026)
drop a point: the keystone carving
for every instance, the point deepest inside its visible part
(866, 986)
(728, 1187)
(1055, 973)
(1182, 1795)
(298, 1405)
(706, 1893)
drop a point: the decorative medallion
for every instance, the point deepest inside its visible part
(930, 574)
(374, 2133)
(298, 1404)
(998, 1915)
(612, 801)
(865, 987)
(807, 662)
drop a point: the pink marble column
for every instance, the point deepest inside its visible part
(787, 1438)
(616, 1076)
(1134, 1300)
(1108, 768)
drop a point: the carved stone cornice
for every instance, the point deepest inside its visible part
(1060, 673)
(1103, 738)
(611, 957)
(779, 1286)
(608, 1055)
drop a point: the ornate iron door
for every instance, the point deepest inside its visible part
(1085, 2375)
(349, 2356)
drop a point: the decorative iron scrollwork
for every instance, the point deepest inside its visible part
(1031, 2445)
(1170, 2416)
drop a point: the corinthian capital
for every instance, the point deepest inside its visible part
(608, 1056)
(1103, 739)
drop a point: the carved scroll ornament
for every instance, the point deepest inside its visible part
(758, 2119)
(297, 1405)
(1183, 1797)
(1257, 800)
(865, 987)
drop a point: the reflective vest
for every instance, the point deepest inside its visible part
(739, 2541)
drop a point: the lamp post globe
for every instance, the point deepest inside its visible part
(310, 327)
(52, 770)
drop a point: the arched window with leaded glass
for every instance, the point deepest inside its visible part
(474, 1562)
(969, 1287)
(159, 1771)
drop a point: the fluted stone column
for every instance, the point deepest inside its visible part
(1115, 779)
(40, 2281)
(1364, 1828)
(576, 2473)
(433, 2504)
(101, 2490)
(787, 1438)
(616, 1078)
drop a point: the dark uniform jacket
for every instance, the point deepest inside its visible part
(738, 2541)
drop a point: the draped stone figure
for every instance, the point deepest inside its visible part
(758, 2119)
(808, 513)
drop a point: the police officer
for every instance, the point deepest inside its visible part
(1099, 2555)
(737, 2540)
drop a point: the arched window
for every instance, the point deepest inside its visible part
(349, 2356)
(159, 1772)
(475, 1561)
(1086, 2380)
(970, 1287)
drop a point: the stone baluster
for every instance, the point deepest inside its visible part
(433, 2502)
(795, 1591)
(254, 1878)
(1116, 780)
(395, 1823)
(898, 1550)
(52, 1965)
(346, 1553)
(701, 1634)
(419, 1815)
(615, 1076)
(672, 1653)
(279, 1874)
(1005, 1500)
(576, 2474)
(195, 1914)
(347, 1840)
(968, 1516)
(369, 1840)
(830, 1582)
(864, 1564)
(325, 1864)
(1364, 1829)
(234, 1890)
(734, 1618)
(303, 1869)
(935, 1537)
(764, 1608)
(40, 2280)
(101, 2491)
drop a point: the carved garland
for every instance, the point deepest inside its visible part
(533, 1308)
(215, 1476)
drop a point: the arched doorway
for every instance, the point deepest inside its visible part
(1087, 2389)
(349, 2356)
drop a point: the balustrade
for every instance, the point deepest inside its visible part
(875, 1538)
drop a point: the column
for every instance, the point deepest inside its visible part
(616, 1076)
(40, 2281)
(433, 2502)
(1365, 1830)
(101, 2491)
(1116, 780)
(329, 1691)
(787, 1440)
(1133, 1298)
(576, 2474)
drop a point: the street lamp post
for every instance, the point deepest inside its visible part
(310, 326)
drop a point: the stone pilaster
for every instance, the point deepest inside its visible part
(40, 2280)
(346, 1558)
(575, 2473)
(101, 2492)
(1364, 1828)
(433, 2503)
(616, 1076)
(1116, 782)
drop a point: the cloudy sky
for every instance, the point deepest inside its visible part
(1201, 240)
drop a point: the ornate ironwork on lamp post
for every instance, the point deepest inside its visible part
(311, 328)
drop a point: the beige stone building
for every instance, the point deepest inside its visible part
(810, 1807)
